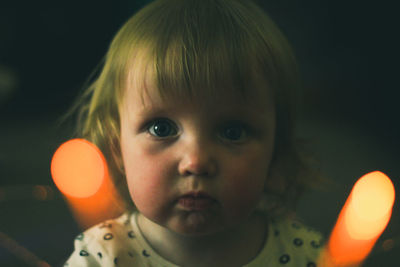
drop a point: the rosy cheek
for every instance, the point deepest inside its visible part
(147, 182)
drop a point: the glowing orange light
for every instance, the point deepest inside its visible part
(78, 168)
(362, 220)
(80, 172)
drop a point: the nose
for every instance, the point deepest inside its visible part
(198, 159)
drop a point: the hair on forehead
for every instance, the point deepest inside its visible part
(210, 47)
(172, 82)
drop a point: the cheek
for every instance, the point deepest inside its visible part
(244, 185)
(244, 191)
(147, 178)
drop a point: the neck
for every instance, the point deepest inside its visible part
(232, 246)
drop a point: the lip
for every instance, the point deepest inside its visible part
(197, 194)
(196, 201)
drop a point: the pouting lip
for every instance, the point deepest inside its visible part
(196, 194)
(195, 201)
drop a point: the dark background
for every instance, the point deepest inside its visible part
(348, 54)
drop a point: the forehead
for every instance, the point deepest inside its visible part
(144, 97)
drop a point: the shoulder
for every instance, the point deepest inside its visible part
(297, 242)
(289, 243)
(108, 231)
(105, 244)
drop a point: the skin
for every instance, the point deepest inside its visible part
(198, 153)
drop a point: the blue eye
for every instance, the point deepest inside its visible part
(162, 128)
(234, 133)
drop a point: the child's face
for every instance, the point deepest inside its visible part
(219, 146)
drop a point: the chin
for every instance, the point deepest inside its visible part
(195, 232)
(196, 224)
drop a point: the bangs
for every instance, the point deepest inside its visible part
(195, 48)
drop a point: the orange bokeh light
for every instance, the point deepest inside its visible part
(362, 220)
(78, 168)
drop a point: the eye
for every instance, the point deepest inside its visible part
(234, 132)
(162, 128)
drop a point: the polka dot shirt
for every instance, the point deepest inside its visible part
(119, 242)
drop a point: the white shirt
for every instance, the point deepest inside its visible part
(119, 242)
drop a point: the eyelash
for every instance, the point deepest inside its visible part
(161, 120)
(150, 130)
(244, 131)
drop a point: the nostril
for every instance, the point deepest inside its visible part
(194, 169)
(197, 167)
(197, 157)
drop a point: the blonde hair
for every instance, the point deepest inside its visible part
(191, 45)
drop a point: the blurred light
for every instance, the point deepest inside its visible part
(361, 221)
(80, 172)
(388, 244)
(78, 168)
(370, 206)
(50, 192)
(26, 193)
(20, 252)
(39, 192)
(103, 205)
(43, 192)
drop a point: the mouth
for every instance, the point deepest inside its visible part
(196, 201)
